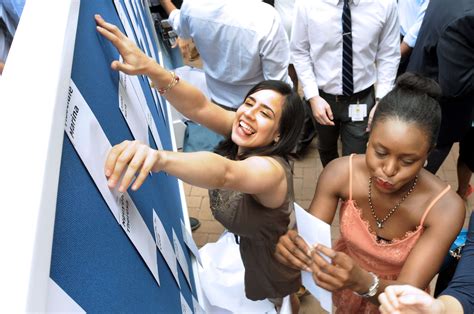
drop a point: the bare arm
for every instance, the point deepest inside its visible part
(405, 50)
(184, 97)
(263, 177)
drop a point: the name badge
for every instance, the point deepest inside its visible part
(357, 112)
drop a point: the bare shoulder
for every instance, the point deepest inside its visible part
(335, 176)
(448, 209)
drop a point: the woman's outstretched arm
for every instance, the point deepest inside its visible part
(187, 99)
(261, 176)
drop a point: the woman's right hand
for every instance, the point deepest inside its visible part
(127, 159)
(292, 251)
(134, 60)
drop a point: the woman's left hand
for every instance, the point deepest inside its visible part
(342, 273)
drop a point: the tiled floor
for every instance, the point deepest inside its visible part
(306, 173)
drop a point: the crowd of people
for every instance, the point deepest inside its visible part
(393, 80)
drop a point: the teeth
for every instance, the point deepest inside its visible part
(247, 127)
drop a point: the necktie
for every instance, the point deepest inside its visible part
(347, 77)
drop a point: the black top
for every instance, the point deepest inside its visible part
(461, 286)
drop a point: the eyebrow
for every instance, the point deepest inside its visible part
(263, 105)
(403, 155)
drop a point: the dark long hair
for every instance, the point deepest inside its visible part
(414, 99)
(291, 124)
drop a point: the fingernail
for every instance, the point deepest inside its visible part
(307, 269)
(134, 187)
(107, 172)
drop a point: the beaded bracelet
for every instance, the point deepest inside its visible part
(172, 83)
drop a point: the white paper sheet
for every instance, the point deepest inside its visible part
(183, 263)
(151, 53)
(314, 230)
(125, 23)
(188, 239)
(137, 231)
(129, 31)
(222, 279)
(164, 246)
(59, 301)
(147, 35)
(134, 108)
(185, 308)
(133, 19)
(197, 308)
(92, 145)
(131, 109)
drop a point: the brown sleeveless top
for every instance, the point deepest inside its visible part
(259, 228)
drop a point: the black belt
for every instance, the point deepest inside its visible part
(225, 107)
(354, 97)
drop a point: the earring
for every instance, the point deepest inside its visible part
(426, 163)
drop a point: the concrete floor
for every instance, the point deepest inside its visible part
(306, 173)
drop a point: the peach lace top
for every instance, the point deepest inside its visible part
(383, 258)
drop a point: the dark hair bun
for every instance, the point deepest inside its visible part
(418, 84)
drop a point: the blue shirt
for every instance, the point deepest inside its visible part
(411, 14)
(240, 43)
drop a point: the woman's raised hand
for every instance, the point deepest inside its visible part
(129, 158)
(134, 60)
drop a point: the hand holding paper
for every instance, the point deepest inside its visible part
(315, 231)
(293, 251)
(334, 270)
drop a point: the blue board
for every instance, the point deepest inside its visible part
(93, 260)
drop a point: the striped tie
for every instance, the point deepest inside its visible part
(347, 78)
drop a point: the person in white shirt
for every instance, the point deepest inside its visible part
(411, 14)
(240, 42)
(317, 53)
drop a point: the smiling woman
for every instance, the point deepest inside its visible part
(395, 217)
(250, 177)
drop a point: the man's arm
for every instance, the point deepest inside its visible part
(300, 51)
(412, 33)
(388, 52)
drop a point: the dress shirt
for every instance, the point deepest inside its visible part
(411, 14)
(316, 45)
(286, 9)
(240, 42)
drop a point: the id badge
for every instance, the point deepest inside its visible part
(357, 112)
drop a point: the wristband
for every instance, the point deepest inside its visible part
(372, 289)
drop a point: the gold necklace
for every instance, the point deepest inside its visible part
(378, 221)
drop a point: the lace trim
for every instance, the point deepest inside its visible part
(372, 233)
